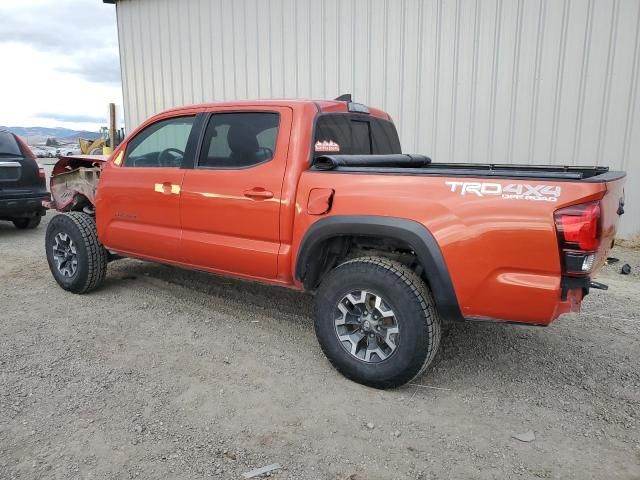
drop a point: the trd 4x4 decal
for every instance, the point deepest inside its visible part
(515, 191)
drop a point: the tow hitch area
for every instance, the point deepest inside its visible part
(599, 286)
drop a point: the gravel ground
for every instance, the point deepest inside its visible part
(165, 373)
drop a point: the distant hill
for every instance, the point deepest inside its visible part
(58, 133)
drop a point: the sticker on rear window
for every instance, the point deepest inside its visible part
(327, 146)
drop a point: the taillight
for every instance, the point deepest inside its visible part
(41, 171)
(579, 230)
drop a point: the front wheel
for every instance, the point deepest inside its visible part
(376, 322)
(76, 258)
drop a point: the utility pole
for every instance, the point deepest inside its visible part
(112, 126)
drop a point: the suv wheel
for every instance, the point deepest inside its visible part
(376, 322)
(27, 223)
(76, 258)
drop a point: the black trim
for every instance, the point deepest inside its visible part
(609, 176)
(570, 283)
(412, 233)
(193, 142)
(516, 172)
(331, 162)
(505, 322)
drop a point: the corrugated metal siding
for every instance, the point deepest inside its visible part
(503, 81)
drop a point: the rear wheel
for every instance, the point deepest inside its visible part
(376, 322)
(27, 223)
(76, 258)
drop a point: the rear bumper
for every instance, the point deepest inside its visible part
(23, 206)
(572, 292)
(570, 303)
(533, 299)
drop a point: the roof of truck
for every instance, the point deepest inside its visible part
(323, 106)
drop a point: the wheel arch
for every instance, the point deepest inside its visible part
(327, 234)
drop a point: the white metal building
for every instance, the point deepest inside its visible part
(499, 81)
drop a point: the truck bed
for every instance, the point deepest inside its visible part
(493, 224)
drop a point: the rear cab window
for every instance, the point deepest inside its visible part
(355, 134)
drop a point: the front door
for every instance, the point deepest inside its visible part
(230, 202)
(139, 201)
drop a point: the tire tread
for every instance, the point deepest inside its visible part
(404, 274)
(97, 255)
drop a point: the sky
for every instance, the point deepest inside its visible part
(59, 63)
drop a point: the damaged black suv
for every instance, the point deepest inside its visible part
(22, 183)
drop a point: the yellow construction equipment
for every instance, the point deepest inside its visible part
(91, 147)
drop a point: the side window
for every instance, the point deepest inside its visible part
(161, 144)
(239, 140)
(348, 134)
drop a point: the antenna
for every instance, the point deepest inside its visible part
(345, 97)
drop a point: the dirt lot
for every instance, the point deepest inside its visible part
(165, 373)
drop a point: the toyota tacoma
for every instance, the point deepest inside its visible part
(317, 196)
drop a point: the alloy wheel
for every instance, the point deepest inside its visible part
(366, 326)
(65, 255)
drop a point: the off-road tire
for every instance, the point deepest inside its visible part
(27, 223)
(410, 299)
(92, 256)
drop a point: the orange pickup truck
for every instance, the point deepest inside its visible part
(317, 196)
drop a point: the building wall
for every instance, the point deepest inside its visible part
(500, 81)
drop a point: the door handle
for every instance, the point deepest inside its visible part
(167, 188)
(258, 194)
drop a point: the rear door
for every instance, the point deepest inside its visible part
(231, 199)
(138, 202)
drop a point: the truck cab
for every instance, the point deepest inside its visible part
(194, 173)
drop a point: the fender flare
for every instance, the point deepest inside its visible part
(410, 232)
